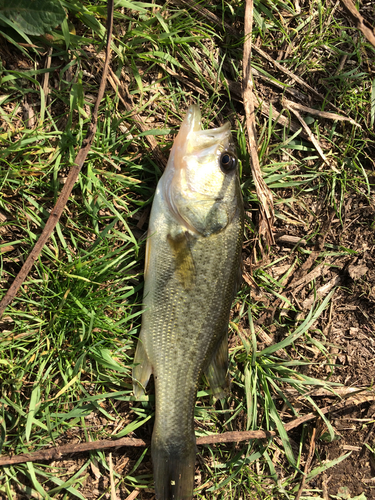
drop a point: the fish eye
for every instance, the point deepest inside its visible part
(228, 162)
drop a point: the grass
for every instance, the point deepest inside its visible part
(67, 345)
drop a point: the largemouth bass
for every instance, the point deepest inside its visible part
(192, 272)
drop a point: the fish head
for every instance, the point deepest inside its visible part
(200, 183)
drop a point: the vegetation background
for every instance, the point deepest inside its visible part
(302, 331)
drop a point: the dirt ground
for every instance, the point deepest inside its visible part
(349, 330)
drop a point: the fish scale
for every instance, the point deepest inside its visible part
(193, 262)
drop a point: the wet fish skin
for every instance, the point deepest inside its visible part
(192, 272)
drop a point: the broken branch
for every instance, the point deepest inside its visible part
(367, 32)
(226, 437)
(266, 216)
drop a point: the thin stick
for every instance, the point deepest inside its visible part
(306, 128)
(266, 216)
(57, 452)
(133, 495)
(234, 437)
(317, 112)
(112, 479)
(307, 465)
(367, 32)
(70, 181)
(227, 437)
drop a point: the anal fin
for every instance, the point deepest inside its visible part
(217, 371)
(141, 371)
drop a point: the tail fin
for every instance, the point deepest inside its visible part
(174, 467)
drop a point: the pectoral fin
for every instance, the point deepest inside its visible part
(217, 370)
(185, 268)
(141, 371)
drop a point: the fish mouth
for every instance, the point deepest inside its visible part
(212, 138)
(191, 138)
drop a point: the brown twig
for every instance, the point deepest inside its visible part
(266, 216)
(343, 392)
(306, 128)
(367, 32)
(317, 112)
(307, 465)
(46, 76)
(57, 452)
(234, 437)
(70, 181)
(133, 494)
(226, 437)
(286, 239)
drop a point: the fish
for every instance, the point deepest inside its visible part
(192, 273)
